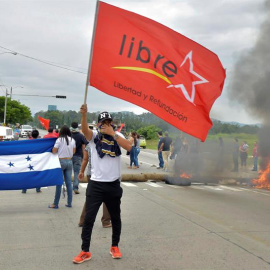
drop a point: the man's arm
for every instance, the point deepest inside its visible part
(124, 143)
(88, 133)
(161, 147)
(84, 164)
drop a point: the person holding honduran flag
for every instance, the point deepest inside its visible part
(146, 63)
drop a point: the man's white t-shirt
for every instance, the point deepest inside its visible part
(106, 169)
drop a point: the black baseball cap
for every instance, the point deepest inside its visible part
(104, 116)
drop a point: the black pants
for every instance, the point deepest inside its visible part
(97, 192)
(235, 161)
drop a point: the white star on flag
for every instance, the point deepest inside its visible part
(191, 97)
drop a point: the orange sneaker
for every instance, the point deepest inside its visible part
(82, 257)
(115, 252)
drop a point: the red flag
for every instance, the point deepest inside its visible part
(44, 122)
(148, 64)
(120, 128)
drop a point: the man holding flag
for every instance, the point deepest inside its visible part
(104, 185)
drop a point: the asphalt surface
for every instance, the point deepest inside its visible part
(164, 227)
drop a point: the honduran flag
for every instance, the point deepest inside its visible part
(29, 164)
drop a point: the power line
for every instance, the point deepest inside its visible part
(47, 62)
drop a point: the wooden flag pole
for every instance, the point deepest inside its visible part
(91, 52)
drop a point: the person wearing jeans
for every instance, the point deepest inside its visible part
(137, 151)
(160, 158)
(133, 151)
(165, 149)
(66, 166)
(65, 146)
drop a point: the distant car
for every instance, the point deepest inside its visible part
(6, 133)
(142, 142)
(25, 130)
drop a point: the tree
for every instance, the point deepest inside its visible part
(55, 118)
(16, 112)
(149, 132)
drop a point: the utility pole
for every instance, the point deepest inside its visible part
(5, 112)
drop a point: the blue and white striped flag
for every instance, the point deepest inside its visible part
(29, 164)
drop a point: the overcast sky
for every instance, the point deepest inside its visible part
(60, 32)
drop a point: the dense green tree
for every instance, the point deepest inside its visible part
(149, 132)
(16, 112)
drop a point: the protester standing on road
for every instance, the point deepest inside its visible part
(165, 149)
(235, 155)
(160, 158)
(106, 219)
(137, 150)
(81, 142)
(255, 157)
(132, 155)
(50, 134)
(104, 185)
(220, 157)
(34, 135)
(65, 146)
(176, 146)
(243, 153)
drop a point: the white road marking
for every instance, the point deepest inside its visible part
(214, 188)
(153, 185)
(128, 184)
(244, 189)
(230, 188)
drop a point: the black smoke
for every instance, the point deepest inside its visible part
(250, 85)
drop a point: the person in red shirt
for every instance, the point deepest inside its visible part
(56, 133)
(50, 134)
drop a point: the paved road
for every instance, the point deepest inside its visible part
(164, 227)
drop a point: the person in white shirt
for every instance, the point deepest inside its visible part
(104, 185)
(65, 146)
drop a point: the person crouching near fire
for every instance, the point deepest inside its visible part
(104, 185)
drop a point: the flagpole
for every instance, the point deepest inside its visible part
(91, 52)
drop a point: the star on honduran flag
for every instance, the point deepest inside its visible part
(148, 64)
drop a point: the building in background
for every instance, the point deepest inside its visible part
(52, 108)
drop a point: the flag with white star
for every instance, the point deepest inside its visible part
(29, 164)
(148, 64)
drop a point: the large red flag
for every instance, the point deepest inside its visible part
(148, 64)
(44, 122)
